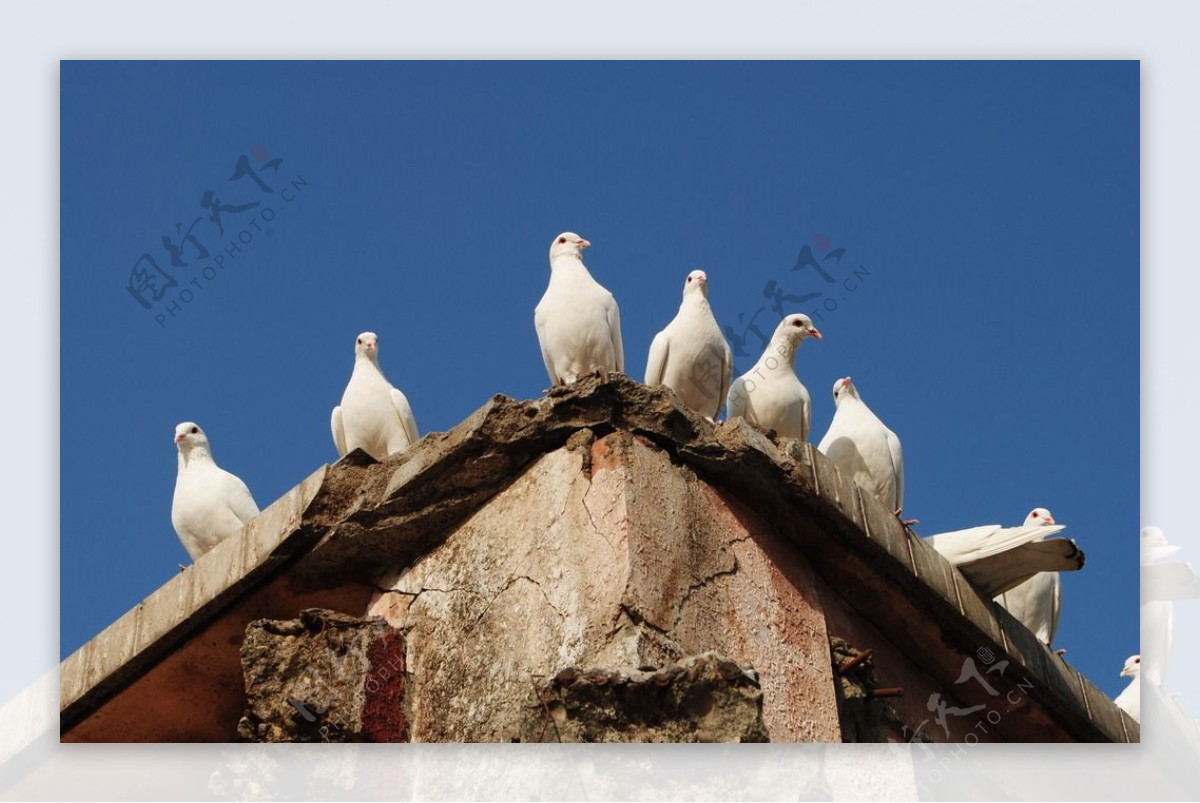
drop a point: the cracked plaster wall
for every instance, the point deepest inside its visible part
(604, 554)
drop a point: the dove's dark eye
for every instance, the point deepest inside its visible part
(797, 323)
(195, 430)
(562, 239)
(689, 278)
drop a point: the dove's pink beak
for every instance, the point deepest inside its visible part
(814, 333)
(179, 437)
(1125, 673)
(1049, 520)
(584, 243)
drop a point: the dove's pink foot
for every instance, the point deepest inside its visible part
(905, 522)
(1060, 653)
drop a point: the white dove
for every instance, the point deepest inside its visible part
(210, 504)
(577, 321)
(863, 448)
(373, 415)
(1037, 603)
(1158, 609)
(770, 395)
(1130, 698)
(690, 356)
(995, 559)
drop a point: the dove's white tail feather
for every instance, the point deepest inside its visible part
(997, 559)
(1054, 555)
(973, 543)
(1004, 571)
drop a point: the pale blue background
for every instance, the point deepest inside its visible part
(42, 34)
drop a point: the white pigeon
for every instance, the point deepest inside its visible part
(691, 356)
(577, 321)
(1158, 610)
(1130, 699)
(1037, 603)
(373, 415)
(210, 504)
(863, 448)
(995, 559)
(770, 395)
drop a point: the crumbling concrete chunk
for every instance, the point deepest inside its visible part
(702, 698)
(325, 677)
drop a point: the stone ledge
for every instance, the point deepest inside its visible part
(169, 616)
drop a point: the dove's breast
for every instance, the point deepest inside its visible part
(202, 510)
(573, 327)
(369, 418)
(777, 400)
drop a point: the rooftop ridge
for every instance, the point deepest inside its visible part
(322, 542)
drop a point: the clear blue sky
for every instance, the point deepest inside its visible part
(993, 207)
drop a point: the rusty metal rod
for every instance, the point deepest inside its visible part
(889, 691)
(855, 661)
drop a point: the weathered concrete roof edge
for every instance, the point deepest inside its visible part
(358, 517)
